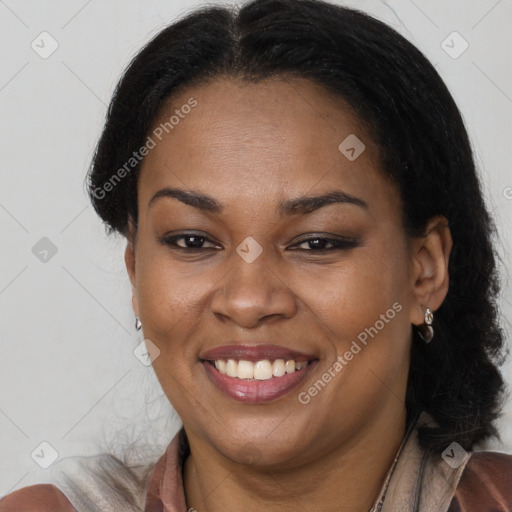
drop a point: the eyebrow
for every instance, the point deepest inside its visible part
(298, 206)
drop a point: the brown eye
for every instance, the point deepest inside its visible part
(191, 241)
(320, 244)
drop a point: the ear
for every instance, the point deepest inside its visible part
(129, 259)
(430, 277)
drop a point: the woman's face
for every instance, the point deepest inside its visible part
(251, 281)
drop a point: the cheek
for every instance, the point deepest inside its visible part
(170, 299)
(364, 318)
(170, 304)
(360, 307)
(352, 295)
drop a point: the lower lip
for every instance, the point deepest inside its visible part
(257, 391)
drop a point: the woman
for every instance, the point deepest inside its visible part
(312, 269)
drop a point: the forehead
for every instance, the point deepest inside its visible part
(281, 137)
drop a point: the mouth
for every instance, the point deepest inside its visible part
(256, 374)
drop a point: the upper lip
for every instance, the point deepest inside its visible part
(254, 353)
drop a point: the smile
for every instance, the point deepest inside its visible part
(259, 370)
(253, 390)
(256, 373)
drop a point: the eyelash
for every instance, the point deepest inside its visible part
(339, 244)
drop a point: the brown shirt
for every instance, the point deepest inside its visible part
(482, 484)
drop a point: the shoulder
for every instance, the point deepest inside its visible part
(485, 484)
(40, 498)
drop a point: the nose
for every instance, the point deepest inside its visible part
(253, 293)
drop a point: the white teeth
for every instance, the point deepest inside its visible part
(262, 370)
(245, 370)
(220, 364)
(278, 368)
(290, 366)
(259, 370)
(231, 368)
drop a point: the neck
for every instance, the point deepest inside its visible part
(347, 479)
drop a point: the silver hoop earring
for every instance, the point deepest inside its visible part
(426, 330)
(138, 323)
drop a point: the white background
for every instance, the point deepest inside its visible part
(67, 372)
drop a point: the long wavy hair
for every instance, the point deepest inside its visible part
(424, 149)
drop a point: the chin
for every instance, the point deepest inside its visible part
(262, 449)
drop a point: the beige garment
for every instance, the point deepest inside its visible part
(418, 483)
(78, 478)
